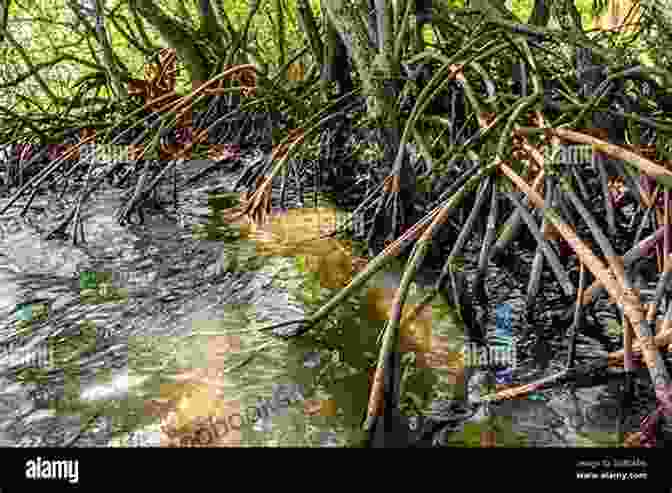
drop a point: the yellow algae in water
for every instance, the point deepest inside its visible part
(443, 355)
(301, 233)
(320, 407)
(416, 328)
(334, 267)
(199, 402)
(194, 408)
(200, 418)
(293, 231)
(432, 350)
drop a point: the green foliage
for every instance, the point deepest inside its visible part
(48, 29)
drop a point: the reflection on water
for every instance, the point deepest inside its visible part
(194, 408)
(206, 406)
(200, 410)
(144, 334)
(304, 234)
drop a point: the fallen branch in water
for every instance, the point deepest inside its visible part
(587, 375)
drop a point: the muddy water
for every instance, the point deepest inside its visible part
(160, 347)
(147, 335)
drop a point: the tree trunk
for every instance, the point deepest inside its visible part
(176, 37)
(111, 65)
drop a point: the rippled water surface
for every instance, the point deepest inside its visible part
(160, 347)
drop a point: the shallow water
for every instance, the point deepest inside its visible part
(164, 349)
(148, 355)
